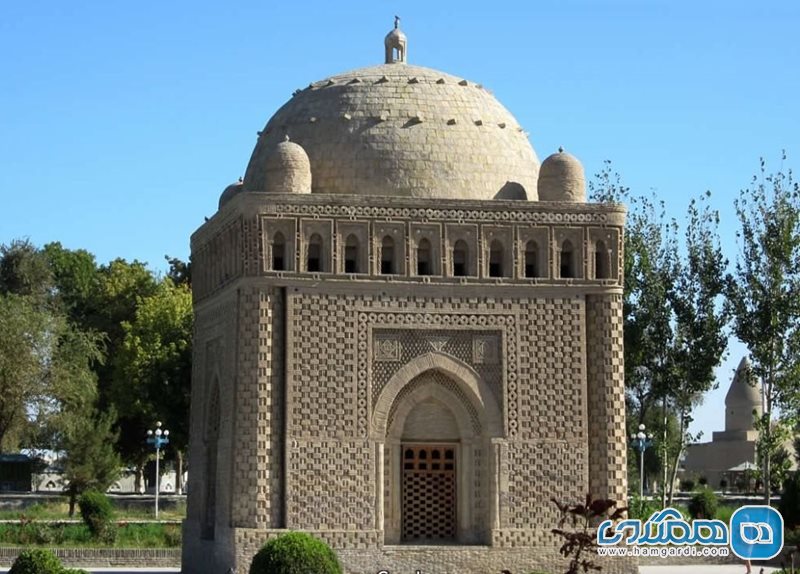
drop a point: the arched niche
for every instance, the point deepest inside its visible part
(436, 403)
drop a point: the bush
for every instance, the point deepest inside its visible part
(789, 505)
(36, 561)
(687, 485)
(295, 553)
(98, 514)
(702, 481)
(724, 513)
(641, 508)
(703, 504)
(150, 535)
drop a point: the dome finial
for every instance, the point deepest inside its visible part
(395, 44)
(561, 149)
(286, 137)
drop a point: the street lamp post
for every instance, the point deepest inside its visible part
(157, 438)
(641, 442)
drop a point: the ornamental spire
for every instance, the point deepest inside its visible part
(395, 44)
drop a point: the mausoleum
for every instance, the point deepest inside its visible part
(408, 335)
(731, 455)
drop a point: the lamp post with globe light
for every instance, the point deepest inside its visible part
(157, 438)
(641, 442)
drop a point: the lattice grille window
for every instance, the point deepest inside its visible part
(429, 493)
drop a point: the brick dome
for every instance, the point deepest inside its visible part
(561, 178)
(229, 192)
(287, 169)
(401, 130)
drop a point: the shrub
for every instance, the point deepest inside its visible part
(641, 508)
(789, 505)
(36, 561)
(687, 485)
(97, 513)
(295, 553)
(703, 504)
(724, 513)
(702, 481)
(150, 535)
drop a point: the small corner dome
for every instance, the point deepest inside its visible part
(287, 169)
(561, 178)
(229, 192)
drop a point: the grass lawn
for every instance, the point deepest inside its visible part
(58, 509)
(32, 533)
(38, 525)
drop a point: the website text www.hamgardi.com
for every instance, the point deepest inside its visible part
(664, 551)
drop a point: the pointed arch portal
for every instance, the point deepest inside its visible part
(435, 419)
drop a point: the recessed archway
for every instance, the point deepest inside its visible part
(437, 405)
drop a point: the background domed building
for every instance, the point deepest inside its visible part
(408, 335)
(732, 454)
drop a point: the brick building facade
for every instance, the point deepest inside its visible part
(408, 335)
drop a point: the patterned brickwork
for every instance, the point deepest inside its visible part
(438, 379)
(552, 396)
(323, 357)
(316, 355)
(248, 541)
(411, 343)
(416, 323)
(548, 366)
(606, 397)
(219, 260)
(458, 212)
(235, 242)
(536, 474)
(344, 349)
(212, 365)
(480, 490)
(534, 537)
(257, 474)
(252, 245)
(331, 485)
(361, 553)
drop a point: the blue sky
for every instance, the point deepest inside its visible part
(120, 123)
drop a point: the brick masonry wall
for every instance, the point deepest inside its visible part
(333, 347)
(372, 559)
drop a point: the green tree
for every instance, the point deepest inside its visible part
(24, 272)
(91, 461)
(700, 320)
(45, 362)
(179, 271)
(673, 316)
(100, 299)
(764, 293)
(646, 313)
(647, 316)
(155, 361)
(25, 338)
(48, 363)
(75, 275)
